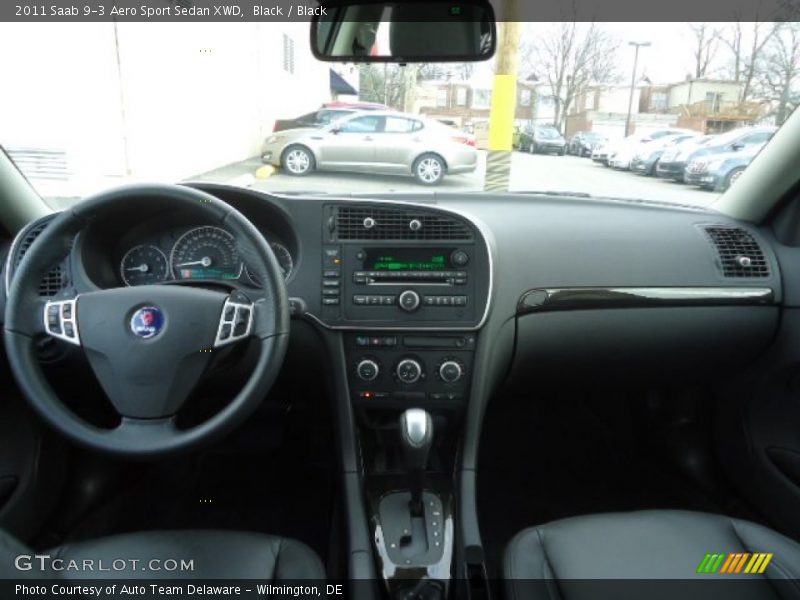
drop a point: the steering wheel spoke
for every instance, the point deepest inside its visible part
(60, 320)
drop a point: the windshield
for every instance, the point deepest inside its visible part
(88, 106)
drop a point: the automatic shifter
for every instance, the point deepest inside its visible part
(416, 438)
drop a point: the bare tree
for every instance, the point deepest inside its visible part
(746, 43)
(706, 44)
(568, 57)
(382, 83)
(779, 71)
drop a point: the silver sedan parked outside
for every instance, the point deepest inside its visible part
(375, 142)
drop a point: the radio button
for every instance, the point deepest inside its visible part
(408, 301)
(459, 258)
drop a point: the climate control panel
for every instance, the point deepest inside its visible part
(396, 370)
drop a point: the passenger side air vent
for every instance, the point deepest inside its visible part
(379, 223)
(55, 280)
(738, 252)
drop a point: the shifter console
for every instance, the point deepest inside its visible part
(413, 524)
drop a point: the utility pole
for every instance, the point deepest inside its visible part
(504, 101)
(637, 45)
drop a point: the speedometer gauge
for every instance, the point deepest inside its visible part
(205, 253)
(143, 265)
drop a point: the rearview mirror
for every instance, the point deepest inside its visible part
(404, 32)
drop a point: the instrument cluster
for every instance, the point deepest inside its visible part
(205, 252)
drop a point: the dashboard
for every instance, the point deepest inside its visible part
(552, 281)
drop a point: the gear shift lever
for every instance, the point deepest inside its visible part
(416, 437)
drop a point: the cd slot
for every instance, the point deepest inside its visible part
(410, 281)
(446, 278)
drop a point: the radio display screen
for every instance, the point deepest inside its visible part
(407, 259)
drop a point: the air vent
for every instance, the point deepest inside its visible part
(374, 223)
(54, 281)
(738, 252)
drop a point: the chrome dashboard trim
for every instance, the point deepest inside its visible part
(587, 298)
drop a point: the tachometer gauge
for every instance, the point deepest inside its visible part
(143, 265)
(205, 253)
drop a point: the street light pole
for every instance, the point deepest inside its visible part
(637, 45)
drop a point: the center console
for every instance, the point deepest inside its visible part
(409, 288)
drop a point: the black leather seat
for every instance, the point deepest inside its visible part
(654, 544)
(214, 555)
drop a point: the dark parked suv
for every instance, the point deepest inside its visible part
(731, 141)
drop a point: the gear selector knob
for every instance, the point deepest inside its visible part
(416, 439)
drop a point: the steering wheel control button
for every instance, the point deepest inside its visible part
(408, 371)
(367, 369)
(59, 320)
(242, 321)
(236, 320)
(450, 371)
(408, 300)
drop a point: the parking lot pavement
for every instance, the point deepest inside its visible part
(540, 172)
(529, 172)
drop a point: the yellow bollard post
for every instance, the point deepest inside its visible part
(504, 103)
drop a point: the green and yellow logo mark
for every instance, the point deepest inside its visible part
(735, 562)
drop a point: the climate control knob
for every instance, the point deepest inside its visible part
(450, 371)
(367, 369)
(408, 370)
(408, 300)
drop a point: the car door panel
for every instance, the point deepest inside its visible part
(351, 145)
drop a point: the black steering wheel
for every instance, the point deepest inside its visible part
(148, 345)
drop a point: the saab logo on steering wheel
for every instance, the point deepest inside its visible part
(147, 322)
